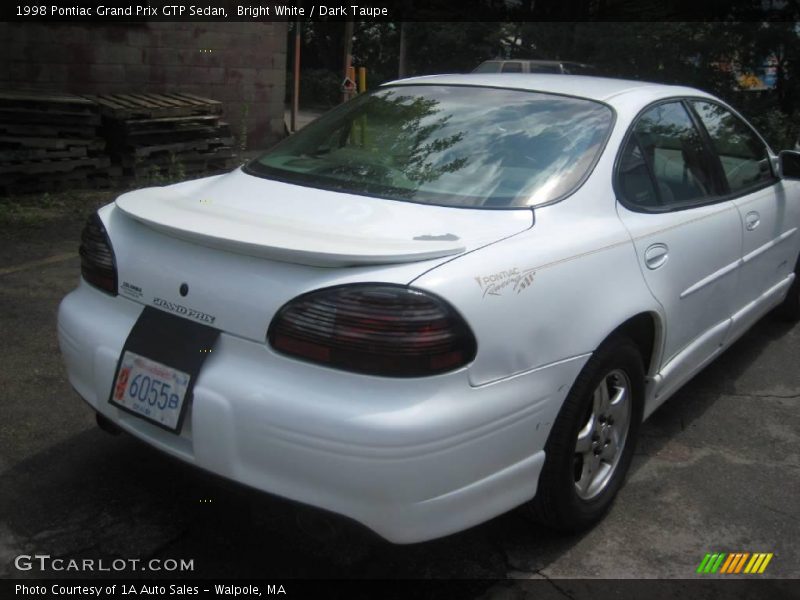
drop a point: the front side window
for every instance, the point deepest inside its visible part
(674, 156)
(635, 179)
(448, 145)
(744, 157)
(490, 66)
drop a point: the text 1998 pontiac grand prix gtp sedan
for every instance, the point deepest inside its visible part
(441, 300)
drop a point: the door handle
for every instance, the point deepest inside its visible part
(752, 220)
(656, 256)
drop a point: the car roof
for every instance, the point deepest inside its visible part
(603, 89)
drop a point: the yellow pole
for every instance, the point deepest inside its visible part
(362, 80)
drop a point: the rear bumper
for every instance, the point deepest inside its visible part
(411, 459)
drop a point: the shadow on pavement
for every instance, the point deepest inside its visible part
(717, 379)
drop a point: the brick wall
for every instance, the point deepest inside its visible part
(241, 64)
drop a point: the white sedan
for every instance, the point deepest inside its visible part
(444, 299)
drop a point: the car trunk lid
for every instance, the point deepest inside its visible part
(289, 223)
(179, 248)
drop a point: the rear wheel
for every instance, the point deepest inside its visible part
(592, 441)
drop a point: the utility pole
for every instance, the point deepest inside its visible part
(296, 71)
(401, 67)
(348, 54)
(407, 10)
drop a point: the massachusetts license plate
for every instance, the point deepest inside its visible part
(150, 389)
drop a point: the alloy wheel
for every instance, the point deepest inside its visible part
(601, 440)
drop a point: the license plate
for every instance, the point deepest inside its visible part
(150, 389)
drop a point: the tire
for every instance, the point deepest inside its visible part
(789, 309)
(571, 497)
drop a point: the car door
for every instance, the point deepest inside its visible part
(688, 237)
(769, 218)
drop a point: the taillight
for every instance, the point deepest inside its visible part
(378, 329)
(98, 266)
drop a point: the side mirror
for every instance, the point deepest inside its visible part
(790, 164)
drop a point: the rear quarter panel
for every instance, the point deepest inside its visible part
(552, 293)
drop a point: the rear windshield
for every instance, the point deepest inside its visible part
(446, 145)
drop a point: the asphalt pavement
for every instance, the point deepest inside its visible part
(717, 470)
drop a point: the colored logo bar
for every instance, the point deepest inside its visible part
(735, 563)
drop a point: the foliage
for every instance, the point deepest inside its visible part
(452, 47)
(26, 211)
(319, 88)
(154, 174)
(779, 129)
(706, 55)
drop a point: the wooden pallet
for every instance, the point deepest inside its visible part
(181, 148)
(33, 115)
(218, 156)
(53, 166)
(122, 143)
(168, 157)
(153, 173)
(86, 177)
(40, 127)
(52, 140)
(47, 102)
(22, 155)
(153, 137)
(149, 106)
(57, 129)
(51, 143)
(56, 184)
(196, 122)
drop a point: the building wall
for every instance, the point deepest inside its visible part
(241, 64)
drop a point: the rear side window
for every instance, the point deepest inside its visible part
(512, 67)
(744, 157)
(579, 69)
(670, 149)
(536, 68)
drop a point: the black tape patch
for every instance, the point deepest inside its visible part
(172, 341)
